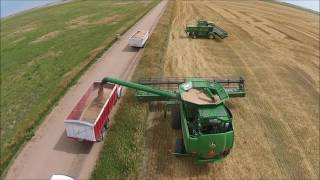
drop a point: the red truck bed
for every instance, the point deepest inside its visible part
(89, 117)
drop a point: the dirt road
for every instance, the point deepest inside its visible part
(50, 151)
(276, 49)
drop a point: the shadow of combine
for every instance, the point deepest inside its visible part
(217, 39)
(160, 141)
(230, 105)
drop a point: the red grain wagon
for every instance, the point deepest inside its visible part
(89, 119)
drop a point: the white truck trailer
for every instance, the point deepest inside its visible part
(138, 39)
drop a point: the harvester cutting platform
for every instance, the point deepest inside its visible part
(198, 108)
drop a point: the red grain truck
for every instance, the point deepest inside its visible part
(89, 119)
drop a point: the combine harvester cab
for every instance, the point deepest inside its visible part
(89, 119)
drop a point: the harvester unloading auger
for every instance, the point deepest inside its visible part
(198, 108)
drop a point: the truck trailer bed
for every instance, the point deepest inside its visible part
(139, 34)
(138, 39)
(88, 118)
(95, 105)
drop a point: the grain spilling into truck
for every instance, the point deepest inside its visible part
(90, 117)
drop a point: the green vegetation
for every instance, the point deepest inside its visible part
(44, 51)
(122, 149)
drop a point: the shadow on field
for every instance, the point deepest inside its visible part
(130, 49)
(160, 141)
(181, 37)
(230, 105)
(72, 146)
(217, 39)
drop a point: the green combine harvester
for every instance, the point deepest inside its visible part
(205, 29)
(198, 108)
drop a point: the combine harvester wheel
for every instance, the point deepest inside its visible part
(176, 120)
(180, 150)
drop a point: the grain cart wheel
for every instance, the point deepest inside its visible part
(107, 124)
(211, 36)
(194, 36)
(103, 133)
(180, 150)
(176, 118)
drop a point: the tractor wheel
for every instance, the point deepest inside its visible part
(180, 150)
(211, 36)
(226, 153)
(176, 118)
(194, 36)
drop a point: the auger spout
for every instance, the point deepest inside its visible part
(140, 87)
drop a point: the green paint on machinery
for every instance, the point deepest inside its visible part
(198, 108)
(205, 29)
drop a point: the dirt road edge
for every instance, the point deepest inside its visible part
(122, 153)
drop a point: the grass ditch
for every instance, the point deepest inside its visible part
(39, 74)
(122, 149)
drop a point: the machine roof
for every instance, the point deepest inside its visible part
(209, 112)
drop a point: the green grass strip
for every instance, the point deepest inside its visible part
(121, 154)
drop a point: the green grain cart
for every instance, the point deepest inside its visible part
(205, 29)
(198, 108)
